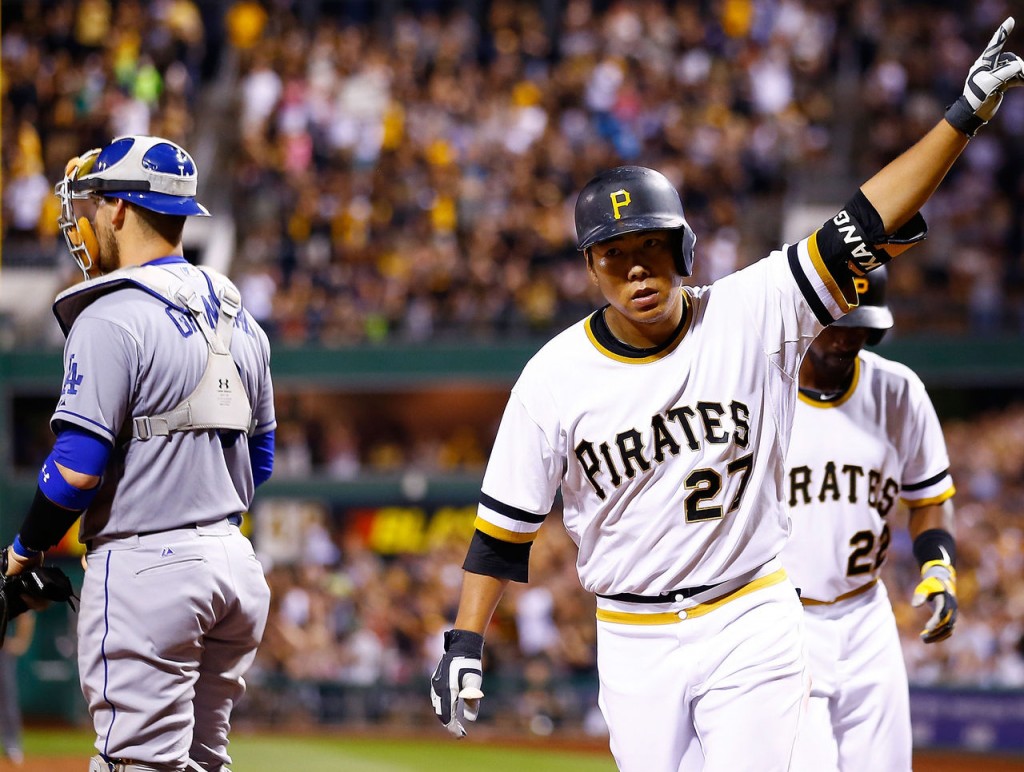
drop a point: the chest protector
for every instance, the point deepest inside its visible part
(219, 401)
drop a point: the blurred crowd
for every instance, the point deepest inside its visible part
(418, 182)
(354, 635)
(407, 170)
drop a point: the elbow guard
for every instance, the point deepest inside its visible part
(854, 241)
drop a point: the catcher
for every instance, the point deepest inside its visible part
(164, 428)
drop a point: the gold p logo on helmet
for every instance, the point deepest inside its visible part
(620, 198)
(860, 283)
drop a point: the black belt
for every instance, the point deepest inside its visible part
(235, 519)
(666, 597)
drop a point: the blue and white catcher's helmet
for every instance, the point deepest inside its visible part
(150, 172)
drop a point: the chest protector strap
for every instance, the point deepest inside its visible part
(219, 400)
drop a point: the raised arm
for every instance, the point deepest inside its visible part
(900, 189)
(903, 186)
(883, 218)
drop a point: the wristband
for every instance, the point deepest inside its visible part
(21, 550)
(464, 643)
(935, 545)
(961, 117)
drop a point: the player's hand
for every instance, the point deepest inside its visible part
(938, 588)
(455, 685)
(12, 564)
(991, 75)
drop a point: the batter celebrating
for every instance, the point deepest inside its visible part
(664, 419)
(865, 436)
(164, 427)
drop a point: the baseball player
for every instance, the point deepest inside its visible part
(865, 436)
(164, 427)
(664, 418)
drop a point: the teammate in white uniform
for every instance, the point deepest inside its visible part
(164, 427)
(865, 436)
(664, 419)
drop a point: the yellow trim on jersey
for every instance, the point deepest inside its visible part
(671, 617)
(514, 537)
(688, 316)
(918, 503)
(838, 400)
(845, 596)
(826, 275)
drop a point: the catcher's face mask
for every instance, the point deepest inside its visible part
(77, 231)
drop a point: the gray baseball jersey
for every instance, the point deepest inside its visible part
(174, 601)
(130, 353)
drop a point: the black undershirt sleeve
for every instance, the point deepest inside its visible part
(46, 523)
(497, 558)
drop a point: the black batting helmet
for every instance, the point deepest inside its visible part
(871, 312)
(628, 199)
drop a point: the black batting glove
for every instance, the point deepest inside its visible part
(455, 686)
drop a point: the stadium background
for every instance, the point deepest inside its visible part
(392, 185)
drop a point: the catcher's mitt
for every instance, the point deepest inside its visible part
(34, 588)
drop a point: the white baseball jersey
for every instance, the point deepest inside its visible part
(850, 461)
(670, 461)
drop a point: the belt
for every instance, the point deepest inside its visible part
(235, 520)
(674, 617)
(665, 597)
(845, 596)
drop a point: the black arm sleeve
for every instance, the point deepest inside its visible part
(46, 523)
(497, 558)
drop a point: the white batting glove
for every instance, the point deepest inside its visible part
(991, 75)
(455, 686)
(938, 588)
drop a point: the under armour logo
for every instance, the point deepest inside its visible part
(620, 198)
(73, 379)
(223, 384)
(46, 474)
